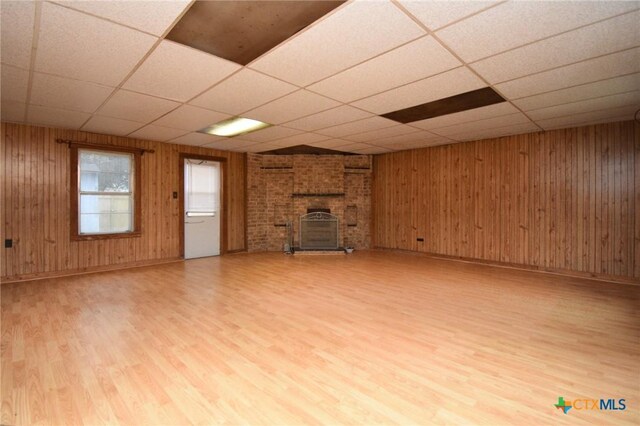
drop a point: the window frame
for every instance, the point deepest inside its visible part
(75, 193)
(211, 213)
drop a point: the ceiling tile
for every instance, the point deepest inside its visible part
(301, 139)
(12, 111)
(421, 136)
(421, 58)
(59, 92)
(82, 47)
(339, 41)
(611, 86)
(606, 102)
(605, 67)
(178, 72)
(454, 82)
(397, 130)
(111, 126)
(487, 123)
(14, 83)
(270, 134)
(261, 147)
(372, 150)
(419, 144)
(191, 118)
(332, 117)
(436, 14)
(594, 40)
(495, 132)
(245, 141)
(232, 144)
(197, 139)
(154, 17)
(136, 107)
(593, 117)
(331, 143)
(351, 147)
(243, 91)
(56, 117)
(16, 32)
(157, 133)
(513, 24)
(360, 126)
(291, 107)
(422, 144)
(489, 111)
(443, 141)
(282, 143)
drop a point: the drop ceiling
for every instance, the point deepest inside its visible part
(107, 67)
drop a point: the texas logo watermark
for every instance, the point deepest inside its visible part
(591, 404)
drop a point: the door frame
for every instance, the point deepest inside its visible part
(223, 198)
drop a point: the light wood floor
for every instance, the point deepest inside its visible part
(369, 338)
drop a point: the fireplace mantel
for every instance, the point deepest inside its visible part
(324, 194)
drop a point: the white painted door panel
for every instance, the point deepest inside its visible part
(202, 209)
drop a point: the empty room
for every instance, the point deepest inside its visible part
(361, 212)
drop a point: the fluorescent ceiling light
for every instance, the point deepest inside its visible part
(234, 126)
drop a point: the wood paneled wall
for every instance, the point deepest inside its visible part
(562, 200)
(36, 204)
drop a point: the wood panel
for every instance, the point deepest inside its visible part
(559, 200)
(36, 188)
(636, 201)
(370, 338)
(236, 198)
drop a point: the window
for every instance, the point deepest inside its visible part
(202, 182)
(106, 202)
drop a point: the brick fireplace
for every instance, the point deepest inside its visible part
(282, 188)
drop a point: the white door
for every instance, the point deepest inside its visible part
(201, 208)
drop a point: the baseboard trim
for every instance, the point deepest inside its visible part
(531, 268)
(88, 270)
(236, 251)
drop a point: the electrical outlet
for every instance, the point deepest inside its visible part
(175, 195)
(8, 243)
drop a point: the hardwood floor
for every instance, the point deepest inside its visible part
(369, 338)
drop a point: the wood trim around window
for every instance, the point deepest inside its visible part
(103, 147)
(75, 185)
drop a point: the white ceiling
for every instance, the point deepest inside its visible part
(104, 66)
